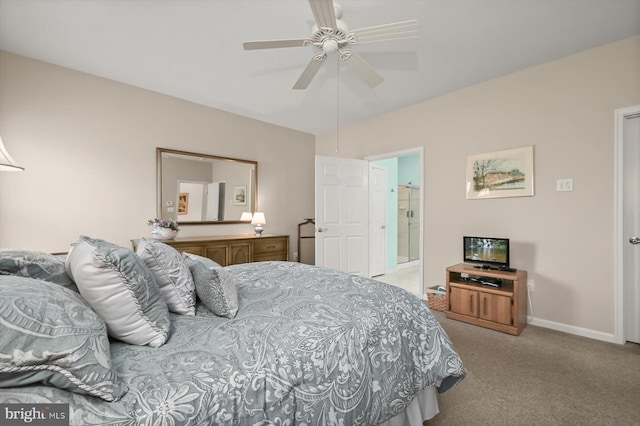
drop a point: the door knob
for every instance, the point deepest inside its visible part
(322, 229)
(634, 240)
(383, 227)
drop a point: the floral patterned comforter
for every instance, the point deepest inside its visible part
(309, 346)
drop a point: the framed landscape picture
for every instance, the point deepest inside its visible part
(498, 174)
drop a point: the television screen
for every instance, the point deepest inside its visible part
(492, 252)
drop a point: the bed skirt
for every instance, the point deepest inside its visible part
(423, 407)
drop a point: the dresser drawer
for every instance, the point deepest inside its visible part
(188, 248)
(270, 246)
(271, 257)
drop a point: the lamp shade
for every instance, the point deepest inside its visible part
(258, 219)
(246, 216)
(6, 162)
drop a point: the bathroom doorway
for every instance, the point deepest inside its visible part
(404, 219)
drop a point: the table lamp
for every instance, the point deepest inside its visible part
(258, 220)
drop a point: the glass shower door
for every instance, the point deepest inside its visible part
(408, 223)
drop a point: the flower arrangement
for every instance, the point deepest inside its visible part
(164, 223)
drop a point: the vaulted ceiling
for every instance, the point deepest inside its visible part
(192, 49)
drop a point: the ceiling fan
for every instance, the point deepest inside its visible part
(330, 34)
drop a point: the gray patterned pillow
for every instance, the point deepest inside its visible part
(121, 289)
(207, 262)
(35, 264)
(172, 275)
(215, 288)
(49, 335)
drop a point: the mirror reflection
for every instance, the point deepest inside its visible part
(199, 188)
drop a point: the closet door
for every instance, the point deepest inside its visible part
(631, 229)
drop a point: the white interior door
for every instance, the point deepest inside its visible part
(377, 220)
(631, 229)
(212, 211)
(342, 214)
(193, 192)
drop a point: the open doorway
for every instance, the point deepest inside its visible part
(404, 201)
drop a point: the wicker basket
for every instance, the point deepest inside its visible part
(436, 301)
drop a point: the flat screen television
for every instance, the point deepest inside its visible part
(487, 252)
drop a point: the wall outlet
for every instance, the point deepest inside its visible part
(295, 256)
(531, 286)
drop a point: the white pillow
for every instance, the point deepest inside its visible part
(172, 275)
(121, 289)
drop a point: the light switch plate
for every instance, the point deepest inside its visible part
(564, 185)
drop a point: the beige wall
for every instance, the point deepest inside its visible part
(565, 109)
(89, 148)
(88, 145)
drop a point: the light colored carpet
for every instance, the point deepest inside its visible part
(542, 377)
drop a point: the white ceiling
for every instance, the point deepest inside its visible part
(192, 49)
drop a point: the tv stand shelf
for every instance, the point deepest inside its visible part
(502, 308)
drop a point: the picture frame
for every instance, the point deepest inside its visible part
(240, 195)
(499, 174)
(183, 203)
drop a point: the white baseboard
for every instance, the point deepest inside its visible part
(571, 329)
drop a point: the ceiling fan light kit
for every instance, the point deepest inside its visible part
(331, 34)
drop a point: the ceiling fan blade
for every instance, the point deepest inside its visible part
(363, 69)
(273, 44)
(396, 30)
(323, 13)
(309, 72)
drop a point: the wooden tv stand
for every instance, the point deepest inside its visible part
(501, 308)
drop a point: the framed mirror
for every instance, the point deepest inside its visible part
(204, 189)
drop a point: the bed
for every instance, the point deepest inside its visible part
(299, 345)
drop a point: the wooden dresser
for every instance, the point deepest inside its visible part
(235, 249)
